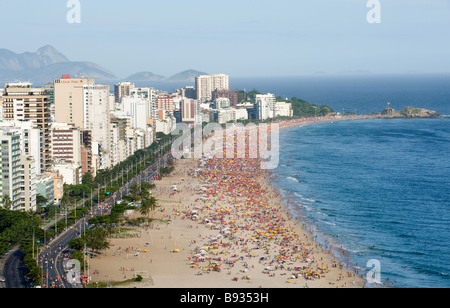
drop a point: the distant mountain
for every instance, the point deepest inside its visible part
(44, 65)
(186, 76)
(145, 76)
(48, 63)
(47, 55)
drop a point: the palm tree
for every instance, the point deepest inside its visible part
(153, 203)
(135, 191)
(148, 205)
(7, 203)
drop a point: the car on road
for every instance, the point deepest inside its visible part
(2, 279)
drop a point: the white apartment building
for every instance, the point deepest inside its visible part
(96, 116)
(265, 106)
(149, 96)
(206, 84)
(221, 102)
(224, 115)
(114, 132)
(70, 171)
(112, 102)
(30, 140)
(11, 171)
(283, 109)
(240, 114)
(136, 108)
(27, 184)
(135, 140)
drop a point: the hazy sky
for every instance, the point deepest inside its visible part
(238, 37)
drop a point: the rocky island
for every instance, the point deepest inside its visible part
(409, 112)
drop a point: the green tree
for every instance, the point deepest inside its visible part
(148, 205)
(41, 200)
(88, 179)
(135, 192)
(7, 203)
(96, 239)
(77, 244)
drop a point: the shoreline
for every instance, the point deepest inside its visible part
(229, 228)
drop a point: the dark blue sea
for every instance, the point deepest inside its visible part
(374, 189)
(361, 94)
(380, 189)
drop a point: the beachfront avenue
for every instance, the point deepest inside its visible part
(55, 259)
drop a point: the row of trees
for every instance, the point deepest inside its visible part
(26, 229)
(109, 181)
(22, 229)
(96, 239)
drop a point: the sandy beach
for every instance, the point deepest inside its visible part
(222, 226)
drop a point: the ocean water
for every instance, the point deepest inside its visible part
(361, 94)
(380, 189)
(374, 189)
(371, 189)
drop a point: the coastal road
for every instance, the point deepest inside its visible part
(14, 270)
(52, 259)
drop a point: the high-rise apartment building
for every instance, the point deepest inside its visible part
(30, 140)
(27, 184)
(96, 99)
(135, 107)
(22, 102)
(70, 101)
(206, 84)
(122, 89)
(66, 143)
(231, 95)
(149, 95)
(265, 104)
(86, 153)
(165, 102)
(81, 102)
(11, 171)
(190, 111)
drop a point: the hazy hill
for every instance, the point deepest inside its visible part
(44, 65)
(48, 63)
(47, 55)
(145, 76)
(186, 76)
